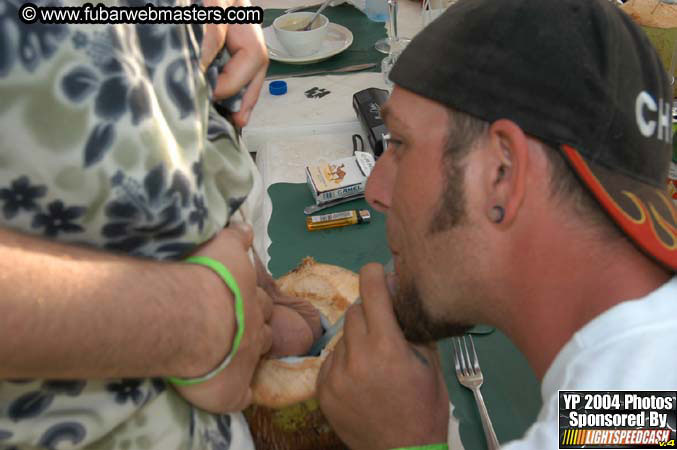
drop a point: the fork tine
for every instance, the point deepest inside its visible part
(457, 364)
(471, 370)
(476, 361)
(461, 356)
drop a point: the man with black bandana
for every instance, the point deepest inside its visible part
(524, 187)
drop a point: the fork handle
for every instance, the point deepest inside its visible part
(492, 441)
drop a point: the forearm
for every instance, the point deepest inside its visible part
(71, 312)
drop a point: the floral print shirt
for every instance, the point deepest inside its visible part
(110, 140)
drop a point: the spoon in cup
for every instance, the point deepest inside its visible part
(317, 13)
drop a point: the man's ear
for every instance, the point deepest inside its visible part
(507, 160)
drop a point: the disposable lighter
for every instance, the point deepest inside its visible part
(339, 219)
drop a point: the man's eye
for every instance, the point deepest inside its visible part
(390, 143)
(395, 146)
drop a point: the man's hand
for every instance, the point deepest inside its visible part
(230, 391)
(295, 322)
(377, 390)
(246, 68)
(247, 65)
(214, 35)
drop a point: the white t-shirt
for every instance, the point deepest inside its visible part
(629, 347)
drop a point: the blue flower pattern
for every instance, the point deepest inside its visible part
(25, 44)
(117, 89)
(33, 403)
(58, 219)
(200, 213)
(20, 194)
(157, 209)
(148, 211)
(126, 390)
(51, 219)
(70, 432)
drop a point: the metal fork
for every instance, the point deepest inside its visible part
(469, 375)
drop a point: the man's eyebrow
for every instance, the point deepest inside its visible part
(387, 113)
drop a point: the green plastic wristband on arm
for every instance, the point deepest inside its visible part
(228, 278)
(442, 446)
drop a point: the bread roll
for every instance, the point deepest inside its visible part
(285, 414)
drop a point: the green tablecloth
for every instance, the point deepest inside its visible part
(511, 390)
(365, 33)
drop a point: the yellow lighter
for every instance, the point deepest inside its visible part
(339, 219)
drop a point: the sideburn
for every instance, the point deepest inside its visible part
(463, 133)
(452, 204)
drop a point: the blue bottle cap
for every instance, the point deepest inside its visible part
(278, 87)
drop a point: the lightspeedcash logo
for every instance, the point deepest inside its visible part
(617, 419)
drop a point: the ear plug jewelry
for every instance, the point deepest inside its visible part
(496, 214)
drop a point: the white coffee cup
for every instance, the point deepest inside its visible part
(298, 43)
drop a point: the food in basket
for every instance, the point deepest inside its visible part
(285, 414)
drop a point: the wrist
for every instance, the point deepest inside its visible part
(210, 315)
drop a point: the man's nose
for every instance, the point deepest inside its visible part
(380, 183)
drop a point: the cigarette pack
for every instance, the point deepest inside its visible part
(345, 177)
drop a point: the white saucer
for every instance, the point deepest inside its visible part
(338, 39)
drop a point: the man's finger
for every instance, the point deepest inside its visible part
(213, 40)
(247, 47)
(233, 78)
(243, 232)
(263, 278)
(376, 302)
(267, 337)
(247, 399)
(339, 353)
(325, 369)
(354, 327)
(250, 98)
(266, 303)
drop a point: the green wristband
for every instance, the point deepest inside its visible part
(442, 446)
(228, 278)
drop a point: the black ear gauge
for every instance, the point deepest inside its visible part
(496, 214)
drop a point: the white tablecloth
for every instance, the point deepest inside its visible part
(291, 131)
